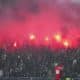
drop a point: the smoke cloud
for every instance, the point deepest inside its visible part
(18, 18)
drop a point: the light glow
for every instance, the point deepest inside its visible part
(46, 38)
(66, 43)
(15, 44)
(58, 37)
(32, 37)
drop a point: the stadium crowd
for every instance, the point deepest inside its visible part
(30, 61)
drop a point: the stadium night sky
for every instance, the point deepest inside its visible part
(18, 18)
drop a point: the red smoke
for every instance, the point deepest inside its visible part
(46, 21)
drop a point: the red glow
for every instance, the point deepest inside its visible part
(46, 38)
(46, 21)
(58, 37)
(32, 37)
(15, 44)
(46, 41)
(66, 43)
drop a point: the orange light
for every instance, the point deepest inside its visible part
(66, 43)
(58, 37)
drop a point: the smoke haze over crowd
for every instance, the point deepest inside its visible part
(18, 18)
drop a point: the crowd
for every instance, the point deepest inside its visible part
(33, 61)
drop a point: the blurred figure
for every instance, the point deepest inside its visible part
(1, 73)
